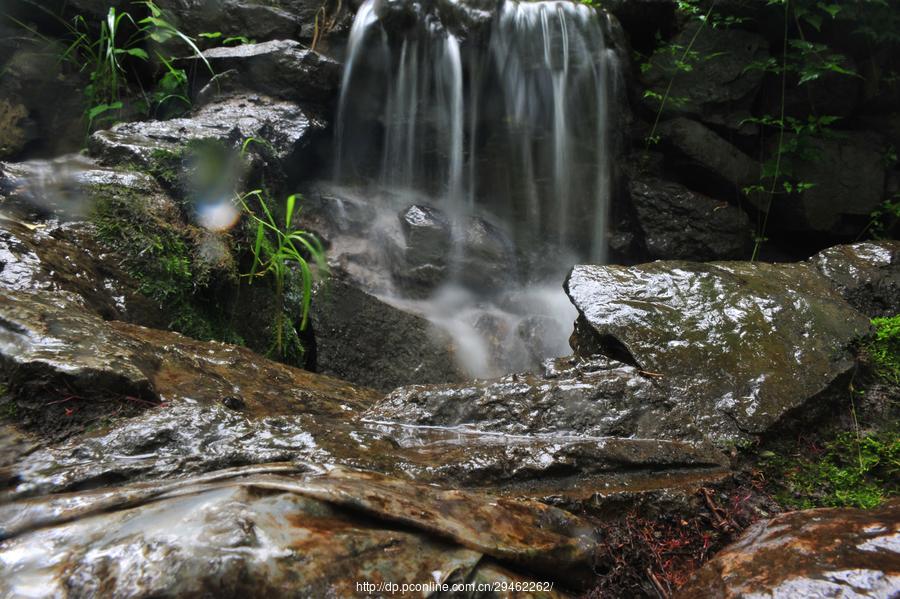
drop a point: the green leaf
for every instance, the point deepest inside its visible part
(136, 52)
(96, 111)
(289, 210)
(814, 19)
(831, 9)
(211, 35)
(257, 246)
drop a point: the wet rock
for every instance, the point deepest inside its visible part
(812, 553)
(280, 68)
(849, 179)
(722, 86)
(187, 438)
(866, 274)
(487, 255)
(65, 187)
(66, 367)
(277, 532)
(596, 398)
(68, 259)
(41, 102)
(421, 259)
(14, 130)
(708, 151)
(643, 19)
(362, 339)
(736, 345)
(253, 19)
(461, 18)
(541, 335)
(680, 224)
(283, 126)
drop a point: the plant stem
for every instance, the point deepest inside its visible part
(765, 222)
(665, 98)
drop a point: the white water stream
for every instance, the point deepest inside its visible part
(507, 121)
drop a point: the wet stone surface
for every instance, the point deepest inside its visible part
(273, 532)
(362, 339)
(678, 223)
(736, 345)
(283, 125)
(281, 68)
(813, 553)
(188, 438)
(66, 367)
(866, 274)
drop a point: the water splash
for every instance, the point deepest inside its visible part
(504, 117)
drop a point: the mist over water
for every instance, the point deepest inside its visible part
(498, 121)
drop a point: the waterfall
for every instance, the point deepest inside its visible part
(536, 113)
(502, 114)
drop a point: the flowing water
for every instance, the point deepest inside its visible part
(503, 117)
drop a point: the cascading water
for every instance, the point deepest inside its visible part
(499, 116)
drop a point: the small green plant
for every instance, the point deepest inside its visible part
(848, 471)
(276, 249)
(883, 219)
(884, 349)
(108, 53)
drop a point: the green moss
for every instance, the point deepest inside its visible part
(161, 258)
(849, 471)
(165, 165)
(884, 349)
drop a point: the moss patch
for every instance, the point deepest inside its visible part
(162, 257)
(847, 471)
(884, 349)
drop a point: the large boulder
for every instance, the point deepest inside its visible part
(813, 553)
(283, 532)
(717, 87)
(703, 149)
(848, 178)
(680, 224)
(737, 345)
(280, 68)
(367, 341)
(488, 259)
(283, 127)
(41, 102)
(254, 19)
(866, 274)
(66, 367)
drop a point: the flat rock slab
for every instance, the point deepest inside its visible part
(265, 533)
(736, 345)
(866, 274)
(187, 438)
(59, 357)
(63, 187)
(280, 68)
(282, 125)
(812, 553)
(598, 397)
